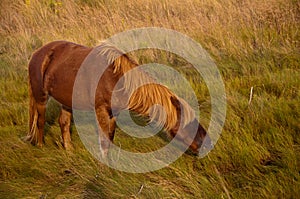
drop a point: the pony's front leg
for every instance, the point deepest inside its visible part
(107, 125)
(64, 123)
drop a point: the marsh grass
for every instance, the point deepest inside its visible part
(254, 43)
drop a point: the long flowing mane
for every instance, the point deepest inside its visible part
(145, 94)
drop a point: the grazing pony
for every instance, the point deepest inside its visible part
(52, 72)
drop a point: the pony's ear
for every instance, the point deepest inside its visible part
(175, 102)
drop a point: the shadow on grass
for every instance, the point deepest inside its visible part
(94, 190)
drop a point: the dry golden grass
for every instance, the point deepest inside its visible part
(230, 28)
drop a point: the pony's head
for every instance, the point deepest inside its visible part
(189, 132)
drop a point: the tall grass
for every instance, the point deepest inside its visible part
(254, 43)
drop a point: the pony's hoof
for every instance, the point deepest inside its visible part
(40, 145)
(68, 146)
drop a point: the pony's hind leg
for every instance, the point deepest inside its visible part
(65, 122)
(41, 110)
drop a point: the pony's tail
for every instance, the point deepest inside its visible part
(32, 135)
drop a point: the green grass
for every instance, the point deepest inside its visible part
(254, 43)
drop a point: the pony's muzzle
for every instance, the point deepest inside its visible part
(206, 147)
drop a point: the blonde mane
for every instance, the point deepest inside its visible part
(145, 94)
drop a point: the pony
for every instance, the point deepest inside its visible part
(52, 73)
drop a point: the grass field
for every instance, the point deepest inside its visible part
(254, 43)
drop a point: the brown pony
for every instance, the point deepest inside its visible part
(52, 72)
